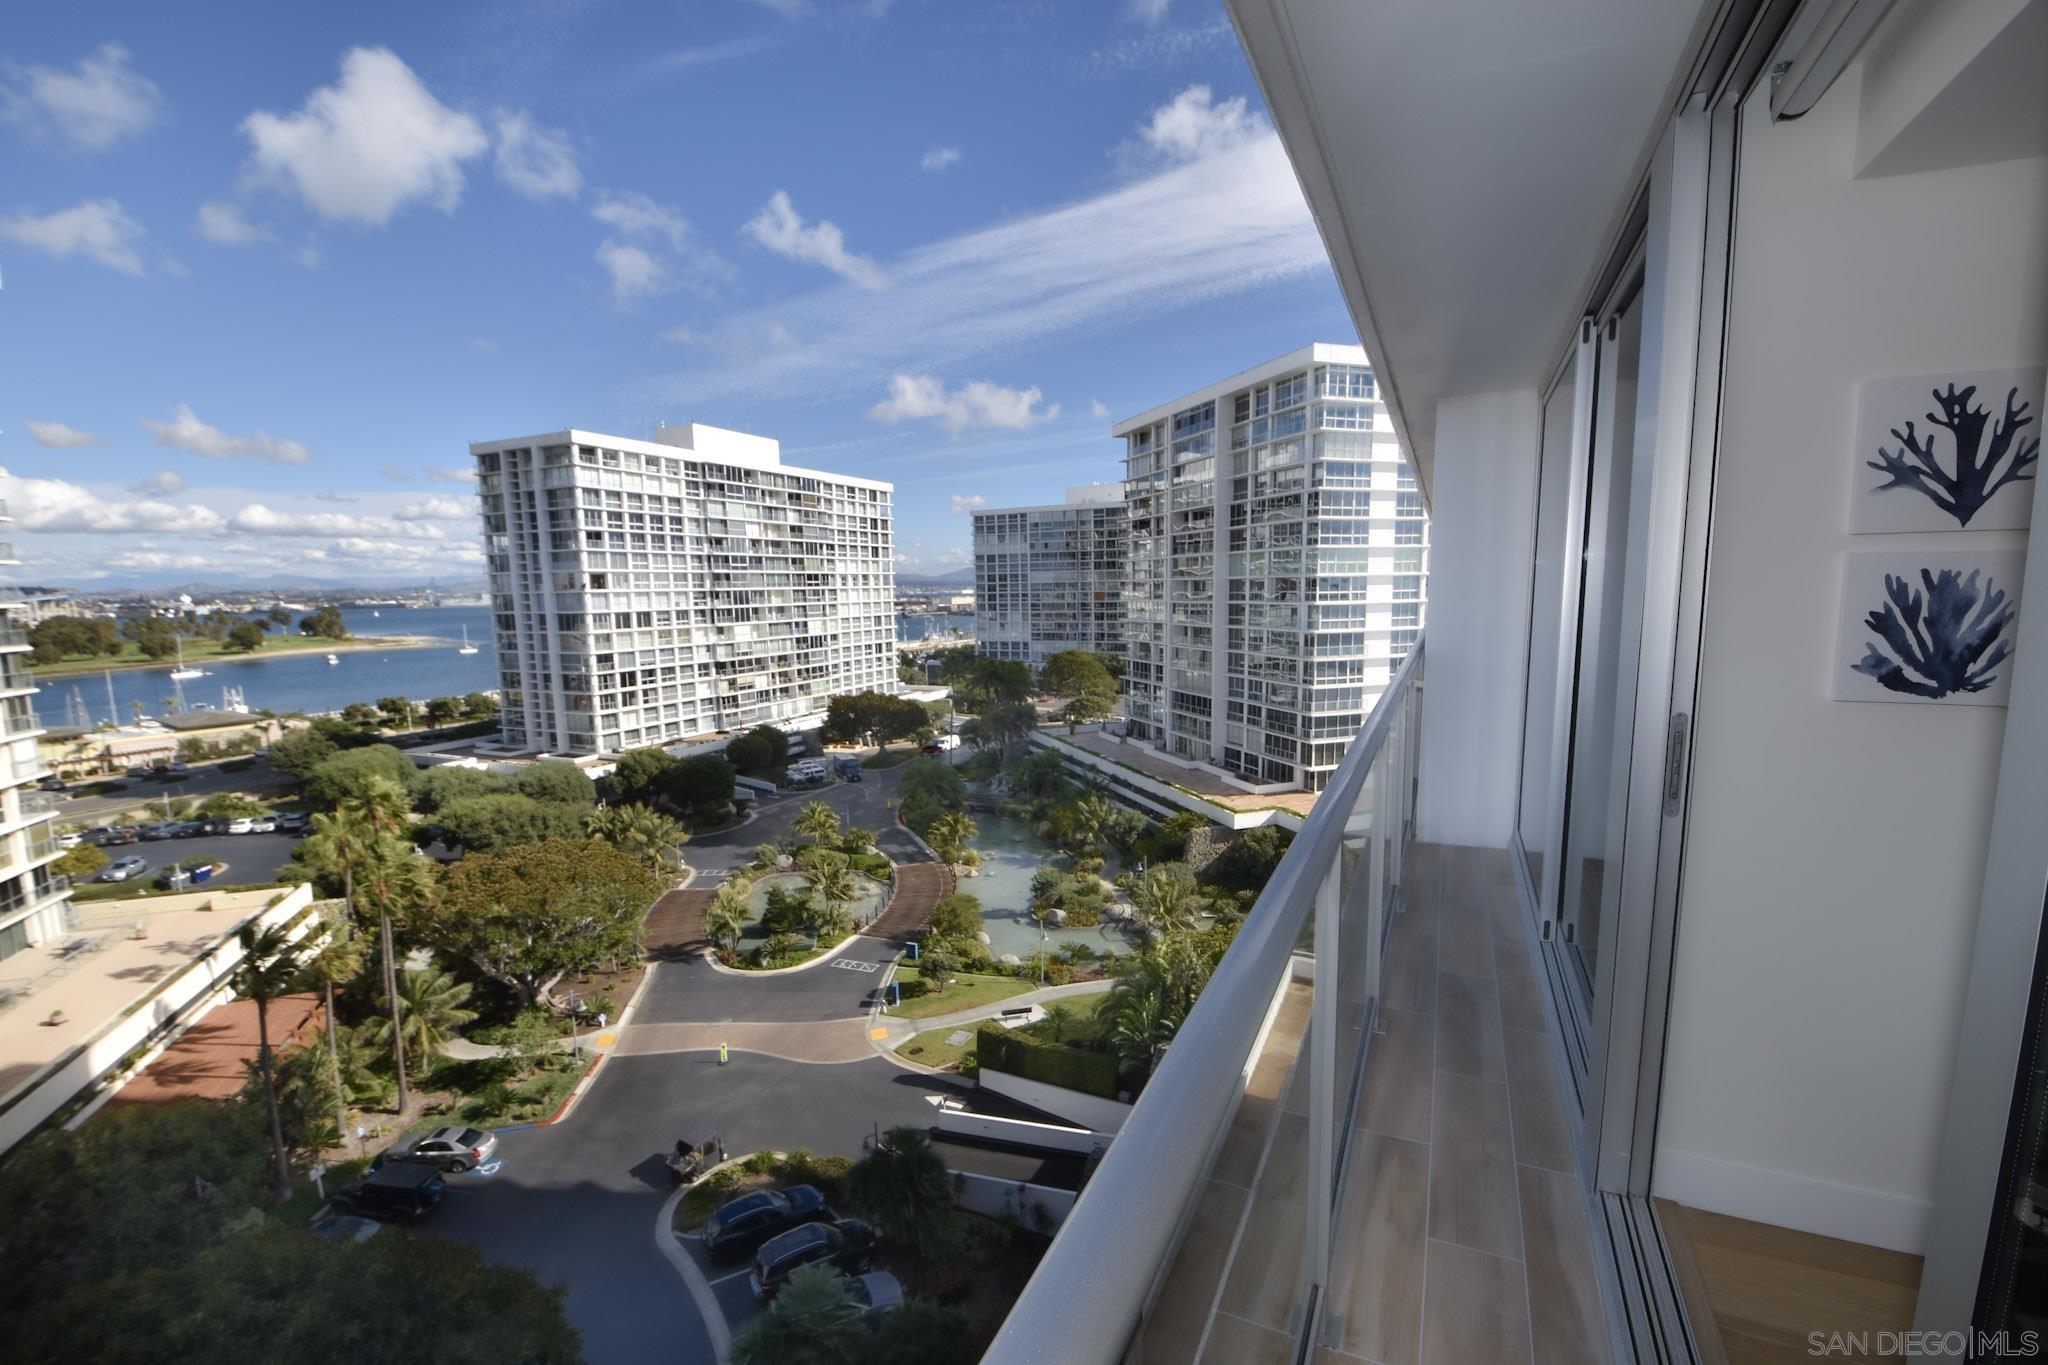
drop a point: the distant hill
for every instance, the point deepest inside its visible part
(933, 580)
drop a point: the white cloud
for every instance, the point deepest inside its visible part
(634, 271)
(97, 229)
(187, 433)
(89, 110)
(654, 250)
(328, 495)
(1177, 238)
(1098, 409)
(263, 520)
(538, 162)
(441, 473)
(939, 158)
(164, 483)
(1150, 11)
(59, 505)
(683, 59)
(368, 146)
(978, 403)
(158, 559)
(395, 473)
(224, 223)
(960, 506)
(780, 228)
(1157, 48)
(1192, 125)
(57, 436)
(437, 509)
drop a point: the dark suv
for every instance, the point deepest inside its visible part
(746, 1222)
(847, 1244)
(398, 1191)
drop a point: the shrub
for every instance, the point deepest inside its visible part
(761, 1162)
(1249, 860)
(919, 811)
(786, 911)
(1016, 1054)
(957, 916)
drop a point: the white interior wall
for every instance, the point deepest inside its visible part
(1482, 519)
(1834, 850)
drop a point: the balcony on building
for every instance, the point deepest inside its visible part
(1653, 979)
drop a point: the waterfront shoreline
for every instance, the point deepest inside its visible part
(356, 644)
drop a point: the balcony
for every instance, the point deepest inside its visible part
(1356, 1141)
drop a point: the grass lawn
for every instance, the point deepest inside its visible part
(966, 993)
(932, 1048)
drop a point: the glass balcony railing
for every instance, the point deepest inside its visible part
(1279, 1034)
(17, 718)
(12, 635)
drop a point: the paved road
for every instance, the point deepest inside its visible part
(203, 781)
(869, 802)
(251, 858)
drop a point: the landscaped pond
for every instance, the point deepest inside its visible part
(863, 907)
(1010, 854)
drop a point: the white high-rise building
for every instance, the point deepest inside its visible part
(32, 898)
(1051, 578)
(647, 592)
(1277, 560)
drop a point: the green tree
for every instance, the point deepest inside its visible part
(727, 917)
(1084, 823)
(940, 781)
(832, 890)
(441, 711)
(1249, 859)
(325, 624)
(1166, 897)
(80, 862)
(156, 639)
(642, 831)
(246, 636)
(921, 1332)
(1006, 722)
(957, 916)
(231, 806)
(902, 1187)
(813, 1321)
(482, 824)
(760, 748)
(397, 711)
(278, 616)
(700, 787)
(528, 915)
(639, 776)
(448, 783)
(1081, 677)
(296, 753)
(432, 1011)
(479, 705)
(556, 781)
(817, 822)
(938, 965)
(336, 962)
(347, 774)
(951, 834)
(268, 967)
(361, 713)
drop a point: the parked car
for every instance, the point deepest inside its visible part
(70, 838)
(162, 829)
(263, 824)
(104, 835)
(942, 744)
(294, 822)
(743, 1224)
(242, 824)
(453, 1148)
(848, 768)
(398, 1191)
(876, 1293)
(190, 829)
(122, 869)
(848, 1243)
(347, 1227)
(52, 783)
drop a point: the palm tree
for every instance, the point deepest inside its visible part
(1086, 820)
(832, 890)
(858, 839)
(339, 959)
(1165, 897)
(1139, 1018)
(950, 834)
(394, 882)
(365, 831)
(649, 835)
(813, 1320)
(903, 1187)
(817, 822)
(266, 972)
(433, 1011)
(728, 915)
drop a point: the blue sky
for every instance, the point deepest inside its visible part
(264, 283)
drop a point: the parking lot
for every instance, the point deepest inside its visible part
(251, 858)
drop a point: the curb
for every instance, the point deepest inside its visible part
(671, 1246)
(711, 961)
(598, 1065)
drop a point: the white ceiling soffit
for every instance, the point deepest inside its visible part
(1465, 160)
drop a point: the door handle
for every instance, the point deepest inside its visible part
(1674, 764)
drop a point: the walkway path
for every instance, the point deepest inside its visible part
(675, 926)
(919, 887)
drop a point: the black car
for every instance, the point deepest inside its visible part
(162, 829)
(847, 1244)
(107, 836)
(746, 1222)
(398, 1191)
(189, 829)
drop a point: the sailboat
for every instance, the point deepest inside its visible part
(180, 673)
(467, 647)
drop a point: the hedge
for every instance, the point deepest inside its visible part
(1017, 1054)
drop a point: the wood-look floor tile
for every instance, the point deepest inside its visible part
(1565, 1323)
(1265, 1276)
(1504, 909)
(1408, 980)
(1472, 1199)
(1543, 1135)
(1375, 1307)
(1521, 1004)
(1238, 1162)
(1174, 1329)
(1468, 1027)
(1464, 941)
(1233, 1341)
(1400, 1076)
(1476, 1310)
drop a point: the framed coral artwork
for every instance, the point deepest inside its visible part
(1948, 452)
(1925, 626)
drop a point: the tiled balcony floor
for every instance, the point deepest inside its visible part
(1462, 1236)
